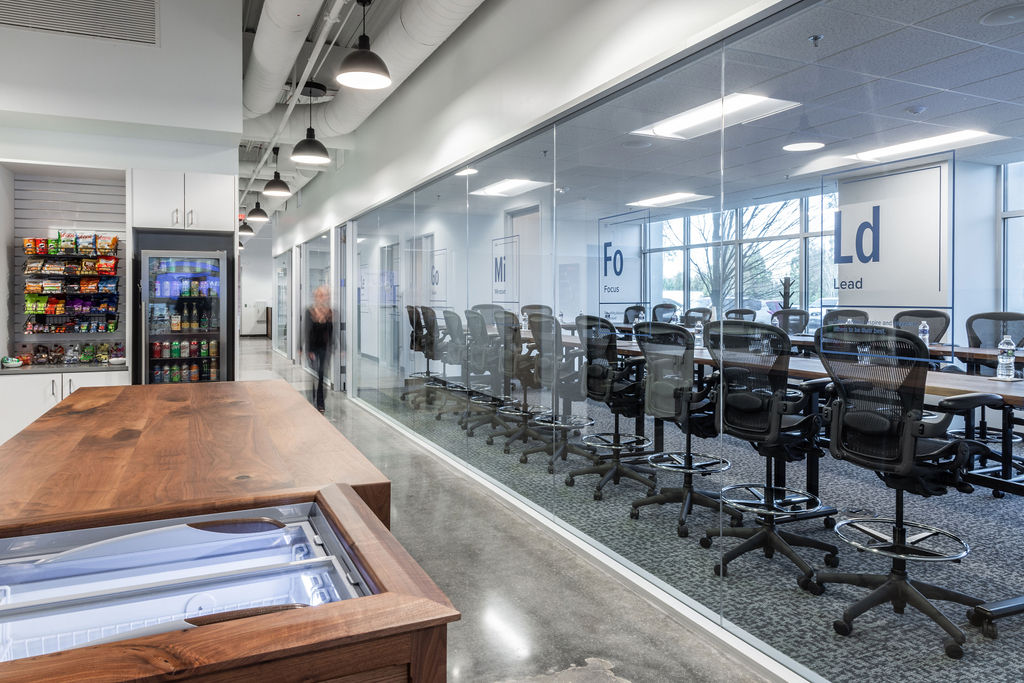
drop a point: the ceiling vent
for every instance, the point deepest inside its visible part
(134, 21)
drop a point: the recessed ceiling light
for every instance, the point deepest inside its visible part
(467, 171)
(509, 187)
(731, 110)
(947, 140)
(1004, 16)
(669, 199)
(802, 146)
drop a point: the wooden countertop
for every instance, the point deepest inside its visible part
(105, 455)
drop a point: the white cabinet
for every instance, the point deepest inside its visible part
(24, 398)
(194, 201)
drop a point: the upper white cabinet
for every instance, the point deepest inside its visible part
(172, 199)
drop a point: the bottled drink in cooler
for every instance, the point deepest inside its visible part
(204, 371)
(213, 370)
(175, 373)
(175, 349)
(193, 348)
(204, 321)
(204, 348)
(185, 348)
(193, 372)
(214, 347)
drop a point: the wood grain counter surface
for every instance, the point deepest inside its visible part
(107, 454)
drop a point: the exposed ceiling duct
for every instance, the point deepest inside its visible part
(282, 30)
(412, 35)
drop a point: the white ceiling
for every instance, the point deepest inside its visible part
(877, 60)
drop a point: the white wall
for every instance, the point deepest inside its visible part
(256, 282)
(977, 245)
(513, 65)
(191, 80)
(7, 255)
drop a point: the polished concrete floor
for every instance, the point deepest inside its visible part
(533, 607)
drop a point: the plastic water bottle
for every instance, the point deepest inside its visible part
(698, 335)
(922, 332)
(1006, 357)
(526, 321)
(640, 316)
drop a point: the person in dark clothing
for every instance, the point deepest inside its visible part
(318, 328)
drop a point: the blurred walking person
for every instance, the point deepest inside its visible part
(318, 335)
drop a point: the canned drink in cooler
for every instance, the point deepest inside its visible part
(156, 349)
(158, 375)
(213, 347)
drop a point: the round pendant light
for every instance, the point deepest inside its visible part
(363, 68)
(257, 215)
(245, 229)
(276, 187)
(311, 150)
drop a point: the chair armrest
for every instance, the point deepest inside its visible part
(964, 402)
(820, 385)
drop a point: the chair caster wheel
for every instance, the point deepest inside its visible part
(506, 449)
(997, 494)
(705, 542)
(769, 553)
(490, 441)
(841, 627)
(811, 586)
(735, 522)
(990, 630)
(598, 495)
(551, 468)
(683, 531)
(832, 560)
(469, 432)
(569, 481)
(720, 570)
(830, 522)
(437, 417)
(973, 618)
(634, 513)
(523, 459)
(952, 648)
(463, 428)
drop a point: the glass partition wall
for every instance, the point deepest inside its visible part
(282, 302)
(617, 314)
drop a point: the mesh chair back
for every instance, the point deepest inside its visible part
(547, 335)
(631, 313)
(416, 332)
(753, 359)
(987, 329)
(663, 313)
(479, 350)
(489, 311)
(692, 315)
(668, 355)
(432, 346)
(876, 397)
(910, 321)
(456, 346)
(740, 314)
(511, 343)
(601, 353)
(791, 320)
(841, 315)
(530, 309)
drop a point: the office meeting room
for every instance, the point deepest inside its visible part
(749, 327)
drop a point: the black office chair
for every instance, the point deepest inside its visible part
(415, 383)
(986, 330)
(692, 315)
(910, 321)
(663, 312)
(489, 311)
(741, 314)
(530, 309)
(842, 315)
(631, 313)
(876, 423)
(483, 359)
(791, 320)
(435, 346)
(618, 384)
(753, 405)
(456, 352)
(557, 371)
(517, 364)
(669, 395)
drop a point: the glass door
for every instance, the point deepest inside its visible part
(282, 301)
(184, 308)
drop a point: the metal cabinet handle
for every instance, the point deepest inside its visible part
(71, 386)
(174, 217)
(190, 218)
(53, 388)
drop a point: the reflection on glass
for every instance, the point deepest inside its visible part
(713, 278)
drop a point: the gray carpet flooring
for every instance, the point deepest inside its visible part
(760, 595)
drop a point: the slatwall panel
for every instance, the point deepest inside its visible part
(131, 20)
(43, 206)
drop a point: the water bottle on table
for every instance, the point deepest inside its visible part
(1006, 357)
(698, 334)
(922, 332)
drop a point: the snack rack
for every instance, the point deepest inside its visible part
(78, 327)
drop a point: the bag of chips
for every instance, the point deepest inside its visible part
(87, 245)
(89, 266)
(53, 267)
(89, 285)
(52, 286)
(106, 245)
(33, 286)
(108, 285)
(68, 242)
(34, 266)
(106, 265)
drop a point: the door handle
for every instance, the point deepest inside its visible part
(190, 218)
(174, 217)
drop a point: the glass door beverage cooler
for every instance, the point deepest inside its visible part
(185, 317)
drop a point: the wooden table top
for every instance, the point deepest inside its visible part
(107, 454)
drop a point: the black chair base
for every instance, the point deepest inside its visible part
(770, 539)
(613, 470)
(557, 445)
(899, 590)
(688, 497)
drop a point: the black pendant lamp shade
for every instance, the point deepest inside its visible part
(311, 150)
(257, 215)
(241, 247)
(245, 229)
(363, 68)
(276, 187)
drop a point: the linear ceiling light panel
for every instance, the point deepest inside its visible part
(731, 110)
(669, 199)
(961, 138)
(509, 187)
